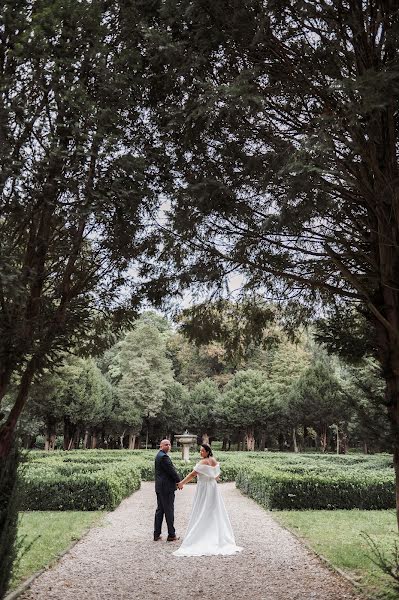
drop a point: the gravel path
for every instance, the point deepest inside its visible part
(119, 560)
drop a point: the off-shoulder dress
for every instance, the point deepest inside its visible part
(209, 529)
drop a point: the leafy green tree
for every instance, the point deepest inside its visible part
(157, 320)
(216, 339)
(260, 344)
(172, 417)
(76, 396)
(245, 404)
(141, 373)
(82, 398)
(44, 403)
(287, 362)
(193, 362)
(317, 399)
(201, 409)
(363, 388)
(127, 415)
(237, 326)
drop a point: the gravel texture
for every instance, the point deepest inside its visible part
(119, 560)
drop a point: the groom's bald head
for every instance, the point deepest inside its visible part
(165, 445)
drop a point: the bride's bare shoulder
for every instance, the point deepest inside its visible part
(208, 461)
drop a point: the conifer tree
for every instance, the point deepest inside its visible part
(282, 118)
(77, 179)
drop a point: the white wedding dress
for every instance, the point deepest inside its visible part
(209, 529)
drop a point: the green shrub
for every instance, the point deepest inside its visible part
(79, 487)
(276, 480)
(275, 489)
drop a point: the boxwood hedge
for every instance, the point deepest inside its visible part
(80, 486)
(276, 489)
(100, 479)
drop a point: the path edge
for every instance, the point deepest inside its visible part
(323, 559)
(305, 543)
(25, 585)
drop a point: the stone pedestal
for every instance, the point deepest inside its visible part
(186, 439)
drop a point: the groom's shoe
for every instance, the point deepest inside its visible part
(157, 537)
(172, 538)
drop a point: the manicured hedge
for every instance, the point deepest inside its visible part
(275, 489)
(96, 479)
(79, 486)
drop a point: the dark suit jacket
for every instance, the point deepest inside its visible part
(166, 475)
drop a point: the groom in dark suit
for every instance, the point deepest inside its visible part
(166, 481)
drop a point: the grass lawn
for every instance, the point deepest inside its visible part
(49, 533)
(337, 536)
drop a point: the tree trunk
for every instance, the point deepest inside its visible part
(49, 442)
(323, 438)
(344, 443)
(224, 443)
(28, 441)
(205, 438)
(8, 428)
(294, 440)
(103, 440)
(392, 400)
(94, 440)
(365, 448)
(86, 439)
(68, 433)
(262, 442)
(250, 439)
(132, 441)
(5, 378)
(76, 438)
(53, 439)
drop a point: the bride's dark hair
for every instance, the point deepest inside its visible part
(207, 449)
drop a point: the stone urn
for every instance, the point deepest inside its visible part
(186, 439)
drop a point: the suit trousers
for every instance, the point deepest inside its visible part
(165, 507)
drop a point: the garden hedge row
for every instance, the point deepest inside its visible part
(80, 486)
(275, 489)
(99, 479)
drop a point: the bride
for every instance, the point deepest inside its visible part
(209, 529)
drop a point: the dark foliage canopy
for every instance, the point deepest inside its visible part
(78, 176)
(281, 119)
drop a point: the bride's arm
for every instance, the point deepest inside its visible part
(189, 477)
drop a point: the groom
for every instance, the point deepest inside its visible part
(166, 481)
